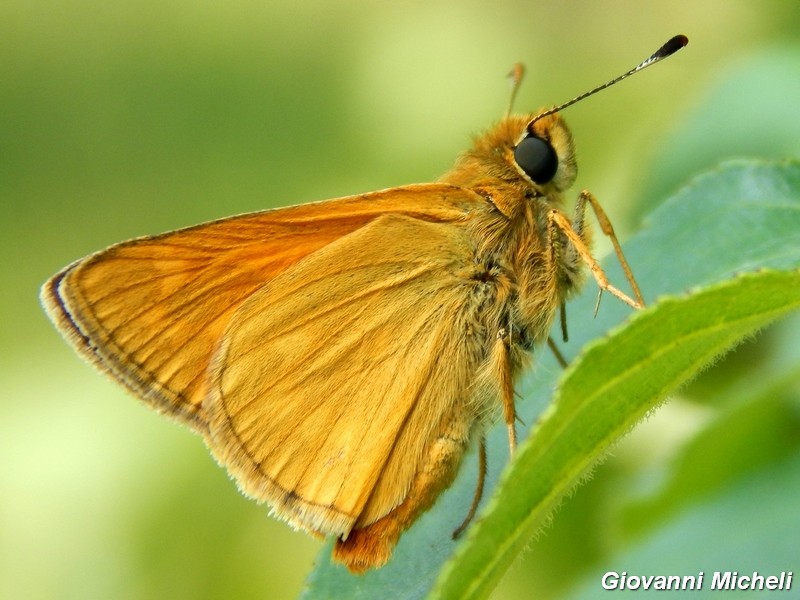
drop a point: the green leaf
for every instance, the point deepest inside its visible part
(643, 362)
(737, 218)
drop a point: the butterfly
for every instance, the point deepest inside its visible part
(338, 357)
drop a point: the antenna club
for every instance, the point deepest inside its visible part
(672, 46)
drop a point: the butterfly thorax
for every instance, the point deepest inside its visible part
(532, 266)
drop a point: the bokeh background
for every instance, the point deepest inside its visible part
(129, 118)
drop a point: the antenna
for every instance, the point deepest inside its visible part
(671, 47)
(516, 74)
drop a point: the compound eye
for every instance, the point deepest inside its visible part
(537, 158)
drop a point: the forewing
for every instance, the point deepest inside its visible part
(151, 311)
(333, 378)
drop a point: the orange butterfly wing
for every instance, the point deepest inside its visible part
(260, 331)
(334, 378)
(151, 311)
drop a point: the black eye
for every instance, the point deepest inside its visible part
(537, 158)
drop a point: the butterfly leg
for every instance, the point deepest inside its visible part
(371, 546)
(557, 217)
(586, 197)
(557, 353)
(501, 366)
(478, 490)
(551, 343)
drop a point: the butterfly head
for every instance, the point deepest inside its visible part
(544, 154)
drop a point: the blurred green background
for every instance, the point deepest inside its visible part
(130, 118)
